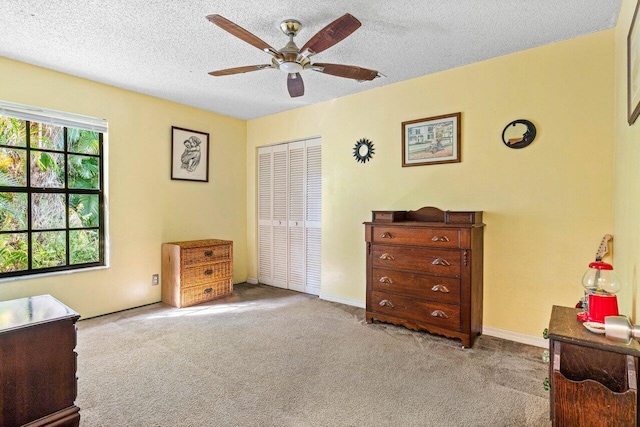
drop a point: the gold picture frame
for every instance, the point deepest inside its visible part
(633, 70)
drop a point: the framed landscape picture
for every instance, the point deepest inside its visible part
(431, 140)
(189, 155)
(633, 69)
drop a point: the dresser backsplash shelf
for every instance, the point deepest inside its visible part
(424, 271)
(428, 214)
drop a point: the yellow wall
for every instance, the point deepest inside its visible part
(146, 207)
(627, 169)
(546, 206)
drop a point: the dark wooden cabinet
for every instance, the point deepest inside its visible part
(593, 380)
(38, 363)
(424, 271)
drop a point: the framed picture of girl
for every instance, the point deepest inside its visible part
(189, 155)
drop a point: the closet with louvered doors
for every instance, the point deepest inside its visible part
(289, 215)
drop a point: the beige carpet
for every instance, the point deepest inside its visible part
(271, 357)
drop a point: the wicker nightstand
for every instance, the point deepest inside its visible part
(196, 271)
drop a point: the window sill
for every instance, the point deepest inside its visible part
(51, 273)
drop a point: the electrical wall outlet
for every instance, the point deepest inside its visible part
(155, 279)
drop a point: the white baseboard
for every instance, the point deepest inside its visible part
(342, 300)
(312, 291)
(252, 280)
(516, 336)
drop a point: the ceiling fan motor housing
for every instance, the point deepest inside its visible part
(290, 60)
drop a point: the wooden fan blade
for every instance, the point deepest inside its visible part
(346, 71)
(295, 85)
(239, 70)
(241, 33)
(333, 33)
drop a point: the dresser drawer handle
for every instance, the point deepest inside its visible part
(440, 288)
(208, 253)
(385, 279)
(439, 239)
(208, 290)
(208, 272)
(386, 256)
(386, 235)
(386, 302)
(441, 261)
(439, 313)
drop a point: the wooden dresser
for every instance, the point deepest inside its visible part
(594, 380)
(424, 271)
(196, 271)
(38, 363)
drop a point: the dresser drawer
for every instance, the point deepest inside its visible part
(205, 273)
(433, 237)
(206, 292)
(432, 261)
(206, 254)
(434, 288)
(442, 315)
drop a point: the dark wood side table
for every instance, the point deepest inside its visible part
(38, 363)
(593, 380)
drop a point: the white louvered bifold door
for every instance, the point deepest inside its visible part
(313, 216)
(280, 196)
(297, 272)
(265, 226)
(290, 215)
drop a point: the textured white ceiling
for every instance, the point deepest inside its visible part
(166, 48)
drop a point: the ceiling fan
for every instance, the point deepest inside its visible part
(291, 59)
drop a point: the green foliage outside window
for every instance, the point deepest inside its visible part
(50, 193)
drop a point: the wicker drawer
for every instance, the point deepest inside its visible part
(202, 274)
(206, 292)
(193, 271)
(434, 288)
(206, 254)
(433, 237)
(432, 261)
(420, 311)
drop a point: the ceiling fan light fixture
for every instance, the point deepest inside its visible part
(291, 67)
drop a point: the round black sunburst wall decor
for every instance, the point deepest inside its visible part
(363, 150)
